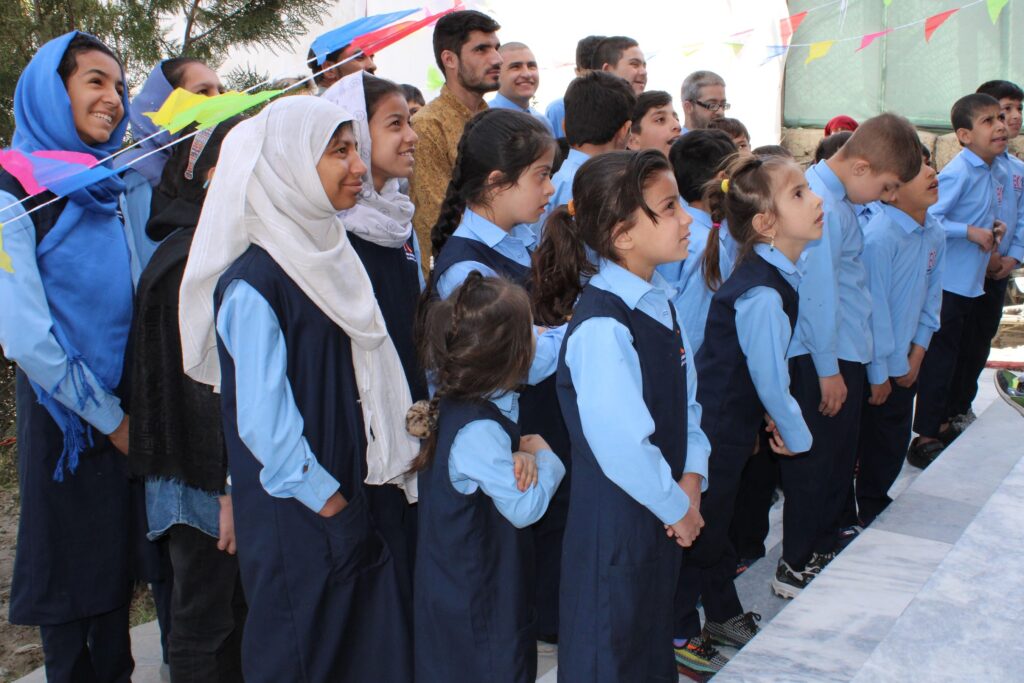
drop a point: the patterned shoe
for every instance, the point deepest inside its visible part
(736, 632)
(789, 583)
(818, 562)
(700, 655)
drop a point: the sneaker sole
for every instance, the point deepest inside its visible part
(691, 665)
(784, 590)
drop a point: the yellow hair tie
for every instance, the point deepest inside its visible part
(725, 185)
(571, 208)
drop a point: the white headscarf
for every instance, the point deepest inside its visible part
(267, 192)
(384, 217)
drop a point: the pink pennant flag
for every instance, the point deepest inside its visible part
(870, 38)
(37, 171)
(789, 25)
(935, 21)
(19, 166)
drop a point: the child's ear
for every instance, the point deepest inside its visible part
(963, 136)
(633, 141)
(495, 181)
(860, 167)
(623, 240)
(763, 224)
(622, 136)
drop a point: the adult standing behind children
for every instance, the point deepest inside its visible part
(518, 81)
(703, 98)
(622, 56)
(555, 112)
(466, 51)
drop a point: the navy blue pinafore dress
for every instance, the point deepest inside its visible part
(539, 413)
(474, 614)
(323, 594)
(619, 569)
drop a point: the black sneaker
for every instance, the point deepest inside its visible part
(700, 655)
(922, 454)
(736, 632)
(847, 535)
(788, 583)
(818, 562)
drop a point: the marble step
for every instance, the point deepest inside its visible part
(939, 553)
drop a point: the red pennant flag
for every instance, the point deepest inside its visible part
(789, 25)
(380, 39)
(870, 38)
(934, 22)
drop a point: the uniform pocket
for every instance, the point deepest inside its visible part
(355, 545)
(629, 590)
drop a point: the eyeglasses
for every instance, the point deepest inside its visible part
(713, 106)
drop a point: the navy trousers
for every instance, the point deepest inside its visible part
(92, 650)
(885, 432)
(980, 328)
(939, 366)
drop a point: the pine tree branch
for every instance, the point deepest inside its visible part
(244, 8)
(190, 21)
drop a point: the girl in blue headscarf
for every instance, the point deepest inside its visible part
(147, 163)
(67, 308)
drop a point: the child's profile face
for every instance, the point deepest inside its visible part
(921, 192)
(414, 107)
(868, 186)
(201, 80)
(95, 89)
(341, 170)
(526, 200)
(743, 146)
(988, 134)
(1011, 110)
(668, 238)
(659, 129)
(394, 140)
(798, 211)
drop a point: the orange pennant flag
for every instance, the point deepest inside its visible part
(789, 25)
(934, 22)
(818, 50)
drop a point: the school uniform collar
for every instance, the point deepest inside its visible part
(830, 179)
(502, 102)
(902, 219)
(776, 258)
(490, 234)
(973, 159)
(700, 217)
(576, 157)
(507, 403)
(631, 288)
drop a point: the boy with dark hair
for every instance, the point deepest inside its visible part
(598, 107)
(466, 51)
(969, 213)
(903, 256)
(772, 151)
(623, 57)
(983, 322)
(584, 64)
(362, 62)
(655, 124)
(736, 130)
(832, 342)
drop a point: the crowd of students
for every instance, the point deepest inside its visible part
(557, 415)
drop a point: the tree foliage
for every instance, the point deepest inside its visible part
(139, 31)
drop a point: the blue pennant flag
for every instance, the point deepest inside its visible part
(775, 51)
(343, 35)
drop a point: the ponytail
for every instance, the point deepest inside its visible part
(714, 199)
(560, 264)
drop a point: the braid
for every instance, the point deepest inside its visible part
(454, 203)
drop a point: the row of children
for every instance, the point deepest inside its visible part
(556, 512)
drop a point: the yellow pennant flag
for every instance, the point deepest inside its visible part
(5, 259)
(692, 49)
(818, 50)
(737, 48)
(178, 101)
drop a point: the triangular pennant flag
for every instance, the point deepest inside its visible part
(995, 7)
(933, 22)
(435, 80)
(5, 258)
(218, 110)
(18, 165)
(737, 48)
(692, 49)
(67, 185)
(870, 38)
(887, 2)
(178, 101)
(789, 25)
(775, 51)
(818, 50)
(338, 38)
(378, 40)
(43, 169)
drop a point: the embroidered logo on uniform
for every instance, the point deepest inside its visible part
(999, 194)
(410, 255)
(932, 258)
(1018, 182)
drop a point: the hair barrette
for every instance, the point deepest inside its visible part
(571, 208)
(725, 185)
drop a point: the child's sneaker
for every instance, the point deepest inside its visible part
(847, 535)
(743, 564)
(1011, 389)
(736, 632)
(818, 562)
(700, 655)
(788, 583)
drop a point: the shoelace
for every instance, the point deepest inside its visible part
(747, 622)
(823, 559)
(703, 648)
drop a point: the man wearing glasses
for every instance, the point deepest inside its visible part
(703, 97)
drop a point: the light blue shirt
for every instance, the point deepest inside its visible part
(555, 114)
(765, 333)
(563, 187)
(693, 298)
(967, 196)
(26, 327)
(517, 244)
(865, 212)
(269, 423)
(605, 371)
(904, 261)
(1010, 201)
(835, 306)
(481, 458)
(502, 102)
(138, 195)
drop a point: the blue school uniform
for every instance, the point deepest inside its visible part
(501, 102)
(687, 276)
(555, 114)
(904, 261)
(628, 394)
(138, 199)
(474, 610)
(865, 212)
(294, 434)
(1010, 205)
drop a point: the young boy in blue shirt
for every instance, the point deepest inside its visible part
(967, 211)
(983, 323)
(903, 256)
(598, 112)
(832, 342)
(555, 112)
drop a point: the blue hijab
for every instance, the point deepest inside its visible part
(154, 92)
(84, 263)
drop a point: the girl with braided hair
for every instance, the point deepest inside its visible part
(481, 484)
